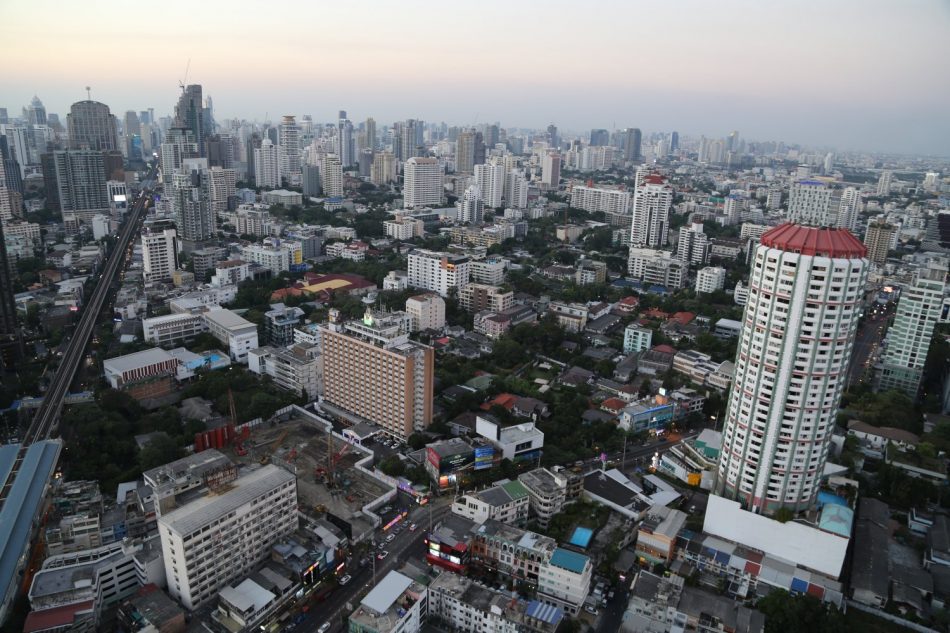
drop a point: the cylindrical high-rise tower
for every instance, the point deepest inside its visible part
(805, 294)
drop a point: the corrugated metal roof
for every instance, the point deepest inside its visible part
(544, 612)
(386, 592)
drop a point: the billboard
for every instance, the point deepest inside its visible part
(484, 457)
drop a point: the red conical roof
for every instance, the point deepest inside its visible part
(811, 240)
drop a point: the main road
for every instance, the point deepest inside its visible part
(46, 421)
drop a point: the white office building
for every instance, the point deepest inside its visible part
(805, 294)
(422, 183)
(267, 165)
(849, 209)
(516, 190)
(438, 272)
(238, 333)
(490, 179)
(331, 170)
(298, 368)
(159, 254)
(692, 247)
(223, 535)
(470, 207)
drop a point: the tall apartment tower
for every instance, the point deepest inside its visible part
(908, 340)
(225, 534)
(651, 212)
(91, 125)
(878, 239)
(810, 202)
(267, 164)
(693, 244)
(471, 206)
(369, 133)
(631, 141)
(884, 183)
(159, 254)
(332, 173)
(554, 140)
(423, 183)
(805, 294)
(437, 272)
(179, 144)
(345, 147)
(78, 179)
(253, 143)
(289, 136)
(190, 198)
(849, 209)
(516, 189)
(372, 368)
(551, 170)
(490, 178)
(384, 168)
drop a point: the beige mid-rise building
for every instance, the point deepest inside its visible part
(878, 240)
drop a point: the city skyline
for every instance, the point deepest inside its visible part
(833, 78)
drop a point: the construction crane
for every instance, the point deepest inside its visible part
(280, 440)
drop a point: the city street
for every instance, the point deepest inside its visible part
(866, 342)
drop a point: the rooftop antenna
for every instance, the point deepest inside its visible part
(88, 93)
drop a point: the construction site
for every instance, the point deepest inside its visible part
(325, 465)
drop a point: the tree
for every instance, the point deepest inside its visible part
(161, 449)
(800, 614)
(393, 466)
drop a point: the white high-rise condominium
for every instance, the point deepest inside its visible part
(651, 213)
(551, 170)
(805, 294)
(693, 244)
(423, 182)
(710, 279)
(516, 190)
(159, 254)
(438, 272)
(809, 202)
(595, 199)
(289, 139)
(471, 206)
(190, 200)
(849, 209)
(884, 183)
(490, 178)
(223, 185)
(223, 535)
(267, 164)
(332, 173)
(908, 340)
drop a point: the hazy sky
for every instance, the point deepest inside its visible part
(862, 74)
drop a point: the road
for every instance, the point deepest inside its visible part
(866, 342)
(406, 546)
(45, 423)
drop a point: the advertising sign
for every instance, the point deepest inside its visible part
(484, 457)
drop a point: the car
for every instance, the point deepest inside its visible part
(412, 528)
(591, 610)
(390, 538)
(382, 555)
(610, 596)
(345, 579)
(324, 627)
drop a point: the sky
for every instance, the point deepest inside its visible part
(851, 74)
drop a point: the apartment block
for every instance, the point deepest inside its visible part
(477, 297)
(427, 312)
(438, 272)
(296, 368)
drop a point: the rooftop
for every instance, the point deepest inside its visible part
(808, 240)
(571, 561)
(121, 364)
(227, 319)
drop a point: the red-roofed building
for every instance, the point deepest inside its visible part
(283, 293)
(628, 304)
(60, 618)
(683, 318)
(613, 405)
(810, 240)
(666, 349)
(656, 313)
(506, 400)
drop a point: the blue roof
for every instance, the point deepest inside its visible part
(544, 612)
(810, 182)
(23, 502)
(581, 537)
(571, 561)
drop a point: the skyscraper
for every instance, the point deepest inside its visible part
(423, 183)
(908, 340)
(267, 164)
(471, 206)
(805, 294)
(465, 153)
(651, 213)
(9, 328)
(554, 141)
(332, 175)
(190, 201)
(345, 147)
(78, 182)
(159, 254)
(369, 133)
(631, 140)
(674, 141)
(179, 144)
(884, 183)
(551, 170)
(384, 168)
(490, 179)
(189, 113)
(599, 137)
(693, 245)
(253, 143)
(289, 136)
(37, 112)
(310, 179)
(878, 240)
(810, 202)
(849, 209)
(91, 125)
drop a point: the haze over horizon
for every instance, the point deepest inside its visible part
(850, 74)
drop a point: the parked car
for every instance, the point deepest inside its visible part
(390, 538)
(324, 627)
(382, 555)
(412, 528)
(591, 610)
(345, 579)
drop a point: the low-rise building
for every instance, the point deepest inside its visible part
(564, 580)
(710, 279)
(239, 334)
(656, 535)
(397, 604)
(693, 461)
(570, 316)
(146, 374)
(637, 338)
(517, 442)
(549, 492)
(476, 297)
(427, 311)
(506, 501)
(279, 324)
(296, 368)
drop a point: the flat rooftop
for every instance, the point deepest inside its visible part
(121, 364)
